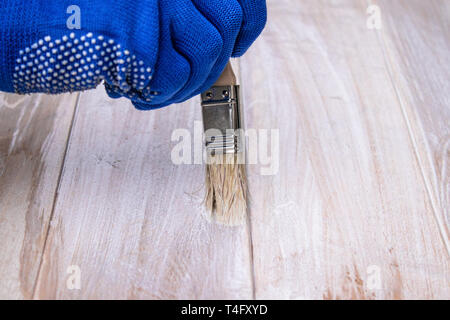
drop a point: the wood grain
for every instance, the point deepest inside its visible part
(361, 194)
(131, 219)
(33, 135)
(350, 197)
(416, 40)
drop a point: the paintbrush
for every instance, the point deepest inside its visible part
(226, 182)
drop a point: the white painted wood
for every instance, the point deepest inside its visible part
(350, 198)
(33, 135)
(416, 40)
(131, 219)
(362, 187)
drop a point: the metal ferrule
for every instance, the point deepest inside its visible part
(222, 120)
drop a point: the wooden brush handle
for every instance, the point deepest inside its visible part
(227, 78)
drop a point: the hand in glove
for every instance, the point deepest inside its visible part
(154, 52)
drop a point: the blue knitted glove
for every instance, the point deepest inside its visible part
(154, 52)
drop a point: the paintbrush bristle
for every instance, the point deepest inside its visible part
(226, 190)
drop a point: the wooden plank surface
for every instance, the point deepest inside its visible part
(33, 135)
(358, 208)
(416, 39)
(132, 221)
(348, 215)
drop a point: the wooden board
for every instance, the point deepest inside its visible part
(416, 41)
(33, 135)
(349, 214)
(131, 220)
(358, 208)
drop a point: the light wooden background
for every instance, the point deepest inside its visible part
(362, 188)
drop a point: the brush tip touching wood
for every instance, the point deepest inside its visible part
(226, 190)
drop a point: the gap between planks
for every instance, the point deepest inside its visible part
(237, 69)
(55, 197)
